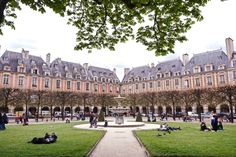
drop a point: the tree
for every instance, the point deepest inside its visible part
(39, 98)
(198, 99)
(187, 98)
(228, 94)
(104, 23)
(25, 97)
(151, 98)
(133, 100)
(7, 97)
(63, 99)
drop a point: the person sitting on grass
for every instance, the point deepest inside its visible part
(203, 127)
(47, 139)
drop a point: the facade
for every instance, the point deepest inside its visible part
(205, 70)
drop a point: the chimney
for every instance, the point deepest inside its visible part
(114, 70)
(59, 60)
(229, 47)
(48, 56)
(126, 70)
(25, 54)
(152, 65)
(185, 58)
(85, 65)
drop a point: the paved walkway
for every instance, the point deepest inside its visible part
(119, 142)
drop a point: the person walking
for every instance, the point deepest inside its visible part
(5, 120)
(1, 121)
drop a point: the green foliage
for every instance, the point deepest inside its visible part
(71, 141)
(101, 116)
(139, 117)
(190, 141)
(157, 24)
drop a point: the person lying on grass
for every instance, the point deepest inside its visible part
(47, 139)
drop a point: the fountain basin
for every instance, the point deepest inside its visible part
(125, 124)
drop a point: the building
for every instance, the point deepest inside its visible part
(204, 70)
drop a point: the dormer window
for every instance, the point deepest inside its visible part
(21, 69)
(103, 79)
(7, 68)
(208, 67)
(58, 74)
(46, 73)
(78, 77)
(158, 76)
(220, 67)
(167, 74)
(66, 68)
(95, 79)
(75, 69)
(196, 69)
(68, 75)
(35, 71)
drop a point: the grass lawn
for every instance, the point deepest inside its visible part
(190, 141)
(71, 141)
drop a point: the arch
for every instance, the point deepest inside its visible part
(77, 109)
(45, 108)
(86, 109)
(168, 109)
(159, 110)
(144, 109)
(67, 109)
(224, 108)
(32, 110)
(95, 110)
(18, 109)
(103, 109)
(189, 109)
(152, 109)
(56, 109)
(200, 109)
(178, 109)
(211, 108)
(137, 109)
(4, 109)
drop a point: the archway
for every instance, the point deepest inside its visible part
(95, 110)
(4, 109)
(144, 109)
(211, 108)
(178, 109)
(45, 108)
(86, 109)
(152, 109)
(56, 109)
(159, 110)
(18, 109)
(168, 110)
(200, 109)
(137, 109)
(77, 109)
(224, 108)
(32, 110)
(67, 109)
(189, 109)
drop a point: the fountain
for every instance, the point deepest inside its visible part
(119, 118)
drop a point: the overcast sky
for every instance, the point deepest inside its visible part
(49, 33)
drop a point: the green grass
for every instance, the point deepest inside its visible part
(71, 141)
(190, 141)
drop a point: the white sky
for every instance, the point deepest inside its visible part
(49, 33)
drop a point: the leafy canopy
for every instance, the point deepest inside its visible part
(157, 24)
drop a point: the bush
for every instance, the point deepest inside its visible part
(139, 117)
(101, 117)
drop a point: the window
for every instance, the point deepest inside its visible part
(196, 69)
(7, 68)
(35, 71)
(5, 79)
(20, 80)
(77, 76)
(136, 85)
(222, 79)
(111, 88)
(68, 84)
(167, 82)
(209, 81)
(234, 75)
(95, 87)
(46, 83)
(197, 82)
(150, 85)
(176, 82)
(95, 79)
(159, 84)
(234, 63)
(167, 74)
(143, 85)
(208, 68)
(87, 86)
(186, 83)
(34, 82)
(21, 69)
(103, 88)
(58, 84)
(78, 85)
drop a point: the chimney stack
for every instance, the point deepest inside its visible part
(126, 70)
(48, 56)
(114, 70)
(25, 54)
(85, 65)
(152, 65)
(185, 58)
(229, 47)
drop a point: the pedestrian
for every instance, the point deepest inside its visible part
(1, 121)
(25, 119)
(91, 119)
(5, 120)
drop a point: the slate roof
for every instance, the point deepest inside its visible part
(216, 58)
(142, 71)
(102, 72)
(13, 59)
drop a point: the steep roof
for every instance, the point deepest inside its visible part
(142, 71)
(102, 72)
(13, 59)
(216, 58)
